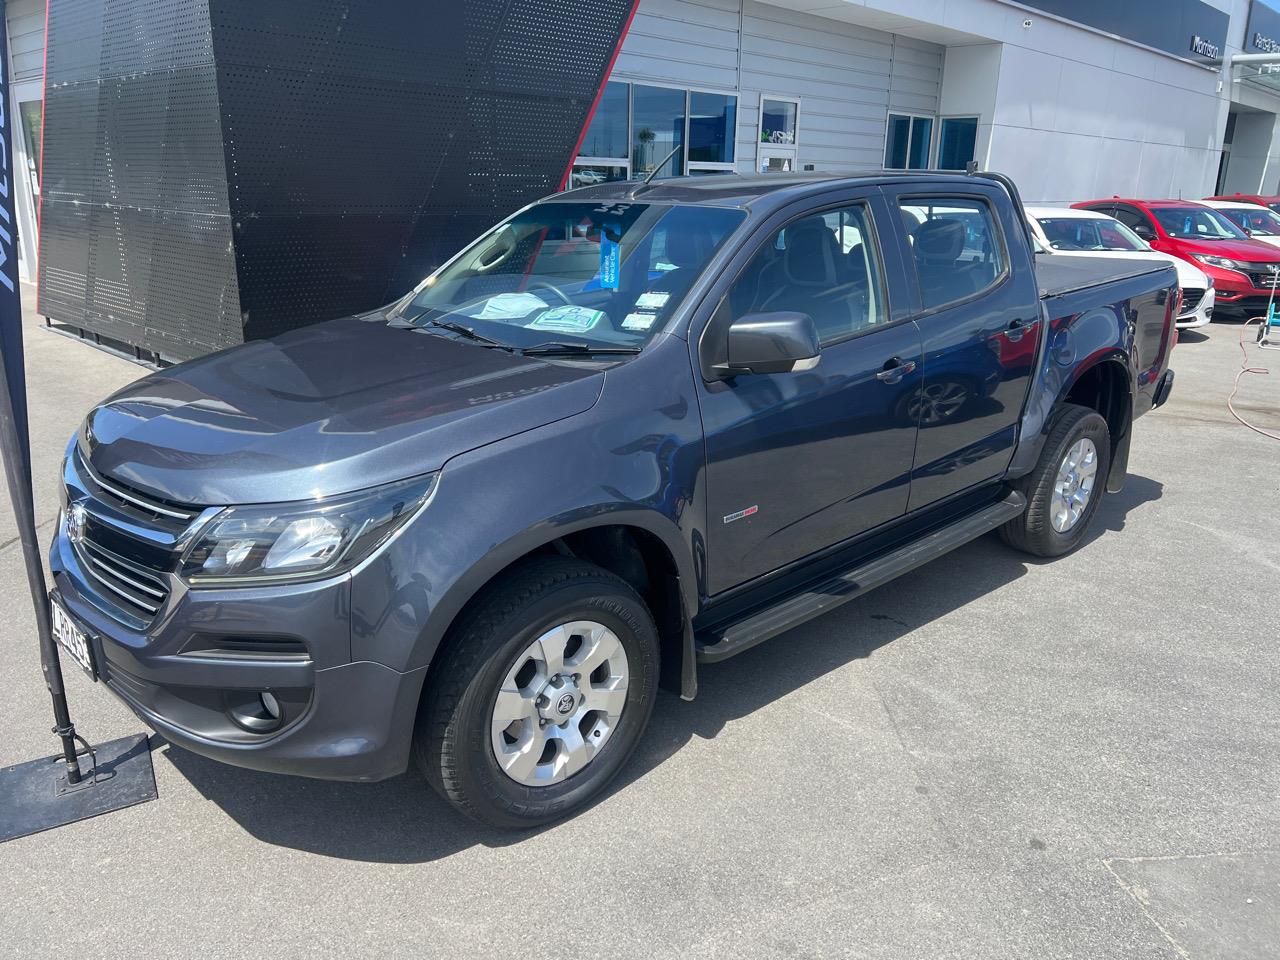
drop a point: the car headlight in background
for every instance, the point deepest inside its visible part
(1222, 263)
(291, 541)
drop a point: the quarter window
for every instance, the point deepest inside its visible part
(825, 265)
(957, 248)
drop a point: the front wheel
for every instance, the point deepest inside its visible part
(1064, 488)
(541, 694)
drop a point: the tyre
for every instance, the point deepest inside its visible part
(1064, 488)
(542, 693)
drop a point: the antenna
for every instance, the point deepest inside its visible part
(635, 191)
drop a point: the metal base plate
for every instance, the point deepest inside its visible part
(35, 795)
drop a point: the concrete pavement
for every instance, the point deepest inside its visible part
(988, 758)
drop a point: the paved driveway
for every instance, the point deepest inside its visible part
(988, 758)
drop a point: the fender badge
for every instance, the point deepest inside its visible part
(753, 509)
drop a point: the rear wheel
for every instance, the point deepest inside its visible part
(541, 694)
(1064, 488)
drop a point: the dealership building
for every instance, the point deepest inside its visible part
(1075, 99)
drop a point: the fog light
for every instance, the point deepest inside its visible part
(257, 712)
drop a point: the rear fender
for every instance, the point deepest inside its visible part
(1076, 344)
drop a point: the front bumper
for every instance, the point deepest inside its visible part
(208, 649)
(1201, 314)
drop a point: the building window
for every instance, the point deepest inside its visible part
(779, 126)
(957, 142)
(908, 142)
(657, 128)
(637, 125)
(713, 119)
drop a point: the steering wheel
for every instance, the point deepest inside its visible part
(543, 284)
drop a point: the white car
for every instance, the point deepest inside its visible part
(1261, 223)
(1087, 233)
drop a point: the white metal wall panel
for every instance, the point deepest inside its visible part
(847, 77)
(26, 39)
(682, 43)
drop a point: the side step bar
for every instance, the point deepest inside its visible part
(720, 643)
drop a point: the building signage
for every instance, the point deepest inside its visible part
(1189, 29)
(1262, 35)
(1205, 48)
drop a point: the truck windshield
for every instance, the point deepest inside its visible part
(1196, 223)
(605, 274)
(1089, 233)
(1259, 221)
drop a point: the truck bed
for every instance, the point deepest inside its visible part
(1059, 274)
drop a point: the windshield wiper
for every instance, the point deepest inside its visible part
(565, 348)
(468, 334)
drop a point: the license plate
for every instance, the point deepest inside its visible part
(72, 639)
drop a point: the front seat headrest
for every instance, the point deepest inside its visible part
(941, 240)
(810, 256)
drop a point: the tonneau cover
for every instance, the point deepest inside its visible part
(1062, 273)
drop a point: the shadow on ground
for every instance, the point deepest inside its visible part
(403, 821)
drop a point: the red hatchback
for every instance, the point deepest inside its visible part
(1272, 202)
(1245, 272)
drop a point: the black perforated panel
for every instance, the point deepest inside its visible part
(225, 168)
(135, 228)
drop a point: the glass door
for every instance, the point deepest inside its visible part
(779, 134)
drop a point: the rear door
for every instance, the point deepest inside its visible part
(797, 462)
(978, 311)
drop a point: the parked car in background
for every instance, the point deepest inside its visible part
(1087, 233)
(1245, 272)
(1272, 203)
(1259, 222)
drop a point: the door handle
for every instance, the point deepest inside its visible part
(1017, 330)
(895, 368)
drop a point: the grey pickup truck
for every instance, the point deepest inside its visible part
(633, 429)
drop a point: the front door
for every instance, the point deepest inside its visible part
(799, 461)
(978, 316)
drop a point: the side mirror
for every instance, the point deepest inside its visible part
(1145, 233)
(782, 342)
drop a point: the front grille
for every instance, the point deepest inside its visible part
(1191, 299)
(1263, 276)
(127, 544)
(137, 590)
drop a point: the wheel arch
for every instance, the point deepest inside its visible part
(642, 547)
(1106, 386)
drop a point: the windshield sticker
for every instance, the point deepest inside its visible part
(638, 321)
(610, 257)
(506, 306)
(653, 300)
(567, 319)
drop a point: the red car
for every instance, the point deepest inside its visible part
(1245, 272)
(1272, 202)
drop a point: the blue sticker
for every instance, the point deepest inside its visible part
(610, 258)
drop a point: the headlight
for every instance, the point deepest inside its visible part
(291, 541)
(1223, 263)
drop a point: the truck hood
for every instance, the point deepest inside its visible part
(334, 407)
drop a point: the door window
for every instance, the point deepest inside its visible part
(957, 248)
(825, 265)
(1131, 218)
